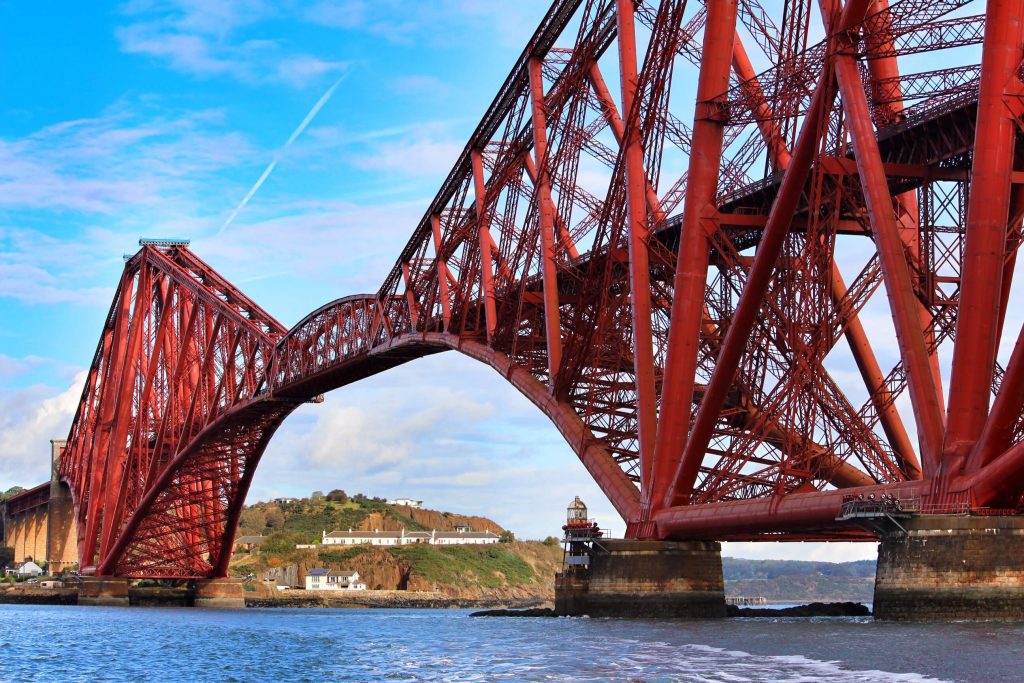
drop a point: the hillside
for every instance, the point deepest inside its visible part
(305, 519)
(504, 571)
(796, 581)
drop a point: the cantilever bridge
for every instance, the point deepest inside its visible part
(653, 234)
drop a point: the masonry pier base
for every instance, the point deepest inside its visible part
(946, 567)
(103, 591)
(654, 579)
(219, 593)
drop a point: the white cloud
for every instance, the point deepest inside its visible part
(412, 157)
(441, 22)
(813, 551)
(205, 39)
(29, 419)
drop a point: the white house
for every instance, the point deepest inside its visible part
(323, 579)
(28, 569)
(408, 502)
(463, 535)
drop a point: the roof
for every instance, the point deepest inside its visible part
(412, 534)
(318, 571)
(30, 566)
(250, 540)
(465, 534)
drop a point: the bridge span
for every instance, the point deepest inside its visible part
(673, 274)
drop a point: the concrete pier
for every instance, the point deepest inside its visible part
(219, 593)
(103, 591)
(654, 579)
(946, 567)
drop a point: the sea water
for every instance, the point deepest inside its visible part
(48, 643)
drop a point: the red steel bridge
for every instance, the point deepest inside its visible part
(674, 228)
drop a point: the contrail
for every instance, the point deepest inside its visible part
(277, 155)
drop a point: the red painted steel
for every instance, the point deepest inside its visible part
(676, 299)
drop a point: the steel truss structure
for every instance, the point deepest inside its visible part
(737, 285)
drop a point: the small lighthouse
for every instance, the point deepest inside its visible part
(576, 512)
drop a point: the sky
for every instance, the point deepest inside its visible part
(296, 144)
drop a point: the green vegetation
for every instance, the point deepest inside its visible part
(737, 569)
(485, 566)
(6, 556)
(304, 520)
(344, 554)
(13, 491)
(796, 581)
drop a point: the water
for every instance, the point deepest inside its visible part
(40, 643)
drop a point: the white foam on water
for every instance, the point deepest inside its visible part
(736, 666)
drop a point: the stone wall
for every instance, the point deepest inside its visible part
(951, 567)
(647, 579)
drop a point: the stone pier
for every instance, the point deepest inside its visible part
(103, 591)
(219, 593)
(654, 579)
(945, 567)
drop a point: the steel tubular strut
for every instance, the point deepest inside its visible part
(974, 351)
(692, 260)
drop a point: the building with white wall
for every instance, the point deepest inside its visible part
(323, 579)
(463, 535)
(407, 502)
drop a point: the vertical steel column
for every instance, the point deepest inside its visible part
(441, 271)
(692, 263)
(546, 212)
(484, 234)
(104, 425)
(883, 66)
(895, 270)
(410, 296)
(980, 288)
(779, 220)
(116, 472)
(639, 269)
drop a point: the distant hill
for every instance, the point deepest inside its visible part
(798, 581)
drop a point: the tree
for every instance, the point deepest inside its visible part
(337, 496)
(253, 520)
(6, 556)
(551, 541)
(506, 537)
(13, 491)
(317, 495)
(275, 519)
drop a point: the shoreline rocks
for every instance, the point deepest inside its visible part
(814, 609)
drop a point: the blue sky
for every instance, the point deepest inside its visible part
(155, 118)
